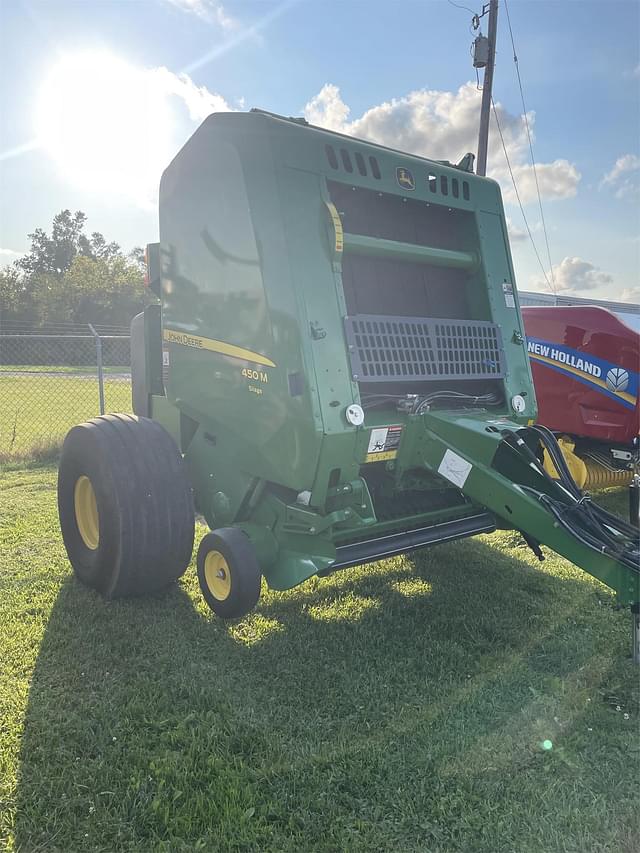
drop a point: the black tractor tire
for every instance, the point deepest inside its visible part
(229, 572)
(125, 505)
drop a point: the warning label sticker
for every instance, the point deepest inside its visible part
(454, 468)
(383, 443)
(509, 300)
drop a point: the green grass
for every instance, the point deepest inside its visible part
(399, 707)
(36, 411)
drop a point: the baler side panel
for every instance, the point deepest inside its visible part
(225, 251)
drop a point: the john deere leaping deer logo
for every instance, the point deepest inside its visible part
(405, 179)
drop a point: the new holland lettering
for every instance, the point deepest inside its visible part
(562, 357)
(578, 363)
(538, 349)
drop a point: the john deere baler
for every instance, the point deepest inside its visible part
(337, 361)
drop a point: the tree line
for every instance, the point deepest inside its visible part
(69, 276)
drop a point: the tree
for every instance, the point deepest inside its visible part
(56, 253)
(104, 291)
(97, 248)
(69, 276)
(11, 290)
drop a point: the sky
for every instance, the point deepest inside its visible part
(96, 98)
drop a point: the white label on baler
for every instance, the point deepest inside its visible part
(454, 468)
(509, 300)
(377, 440)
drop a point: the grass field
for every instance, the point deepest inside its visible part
(400, 707)
(36, 410)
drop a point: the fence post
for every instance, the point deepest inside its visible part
(99, 363)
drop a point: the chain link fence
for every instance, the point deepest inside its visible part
(49, 382)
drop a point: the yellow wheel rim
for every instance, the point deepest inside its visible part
(84, 502)
(217, 575)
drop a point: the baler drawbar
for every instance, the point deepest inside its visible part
(333, 370)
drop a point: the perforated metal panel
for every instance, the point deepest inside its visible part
(384, 348)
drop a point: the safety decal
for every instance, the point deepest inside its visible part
(405, 178)
(610, 379)
(454, 468)
(383, 443)
(507, 289)
(173, 336)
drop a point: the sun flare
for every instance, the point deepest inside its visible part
(106, 124)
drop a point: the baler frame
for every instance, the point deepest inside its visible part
(309, 446)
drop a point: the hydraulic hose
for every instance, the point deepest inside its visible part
(630, 560)
(597, 514)
(590, 524)
(553, 449)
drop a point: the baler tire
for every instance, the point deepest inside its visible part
(229, 572)
(125, 505)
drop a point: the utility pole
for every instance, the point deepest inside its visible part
(485, 109)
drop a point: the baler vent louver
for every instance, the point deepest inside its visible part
(432, 180)
(384, 348)
(347, 165)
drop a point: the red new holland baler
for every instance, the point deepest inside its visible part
(585, 363)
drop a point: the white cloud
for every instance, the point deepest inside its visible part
(444, 126)
(208, 10)
(10, 254)
(160, 110)
(624, 177)
(556, 180)
(573, 275)
(626, 163)
(328, 109)
(516, 234)
(630, 294)
(200, 102)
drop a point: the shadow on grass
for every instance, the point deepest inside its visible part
(152, 725)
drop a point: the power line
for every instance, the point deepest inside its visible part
(460, 6)
(533, 162)
(515, 188)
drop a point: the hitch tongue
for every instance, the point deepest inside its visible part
(501, 472)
